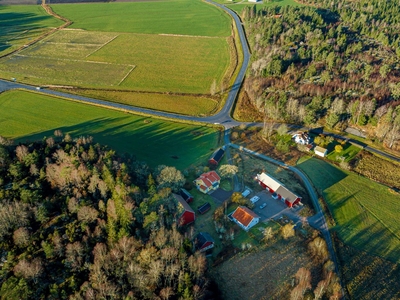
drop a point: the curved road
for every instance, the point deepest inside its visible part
(223, 117)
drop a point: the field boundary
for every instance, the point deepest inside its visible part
(41, 37)
(127, 74)
(106, 43)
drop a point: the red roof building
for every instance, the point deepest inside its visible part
(245, 217)
(203, 242)
(207, 182)
(185, 214)
(274, 186)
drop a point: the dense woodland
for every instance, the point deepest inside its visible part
(79, 222)
(332, 63)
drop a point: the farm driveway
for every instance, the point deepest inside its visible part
(220, 195)
(275, 209)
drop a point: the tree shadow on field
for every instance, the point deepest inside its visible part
(322, 174)
(14, 26)
(153, 140)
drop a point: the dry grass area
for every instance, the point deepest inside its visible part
(245, 110)
(378, 169)
(264, 274)
(252, 139)
(367, 277)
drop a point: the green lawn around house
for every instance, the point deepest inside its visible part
(20, 24)
(31, 116)
(186, 17)
(366, 213)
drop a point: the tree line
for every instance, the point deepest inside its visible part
(79, 222)
(327, 66)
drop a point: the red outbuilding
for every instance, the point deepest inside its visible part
(274, 186)
(216, 157)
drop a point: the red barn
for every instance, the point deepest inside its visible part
(274, 186)
(185, 214)
(216, 157)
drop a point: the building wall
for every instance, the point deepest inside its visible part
(186, 218)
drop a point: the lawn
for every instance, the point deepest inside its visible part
(366, 213)
(20, 24)
(30, 116)
(348, 153)
(187, 17)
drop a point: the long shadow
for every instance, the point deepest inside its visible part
(15, 25)
(322, 174)
(152, 141)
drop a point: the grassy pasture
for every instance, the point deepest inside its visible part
(30, 116)
(162, 63)
(187, 17)
(168, 63)
(366, 213)
(181, 104)
(19, 24)
(46, 70)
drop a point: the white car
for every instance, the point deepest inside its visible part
(263, 205)
(254, 199)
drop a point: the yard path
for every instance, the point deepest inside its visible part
(317, 221)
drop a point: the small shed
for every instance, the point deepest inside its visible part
(216, 157)
(203, 242)
(186, 195)
(320, 151)
(202, 209)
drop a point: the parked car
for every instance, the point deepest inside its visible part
(246, 193)
(263, 205)
(254, 199)
(274, 195)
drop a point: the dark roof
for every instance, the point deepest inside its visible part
(202, 238)
(203, 208)
(185, 194)
(218, 154)
(182, 203)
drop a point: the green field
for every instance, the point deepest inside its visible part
(366, 213)
(158, 63)
(188, 17)
(168, 63)
(30, 116)
(20, 24)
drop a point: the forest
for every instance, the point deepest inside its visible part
(79, 222)
(330, 63)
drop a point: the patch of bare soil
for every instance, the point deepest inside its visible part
(264, 274)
